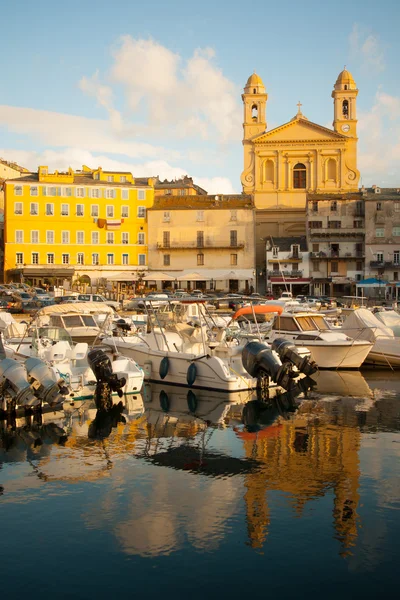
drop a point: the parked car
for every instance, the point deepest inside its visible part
(41, 294)
(97, 298)
(151, 300)
(24, 297)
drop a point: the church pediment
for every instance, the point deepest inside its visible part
(299, 130)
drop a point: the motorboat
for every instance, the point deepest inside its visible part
(362, 324)
(330, 349)
(181, 347)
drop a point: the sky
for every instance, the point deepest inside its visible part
(155, 87)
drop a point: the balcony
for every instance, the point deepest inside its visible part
(337, 231)
(287, 274)
(295, 256)
(384, 264)
(197, 246)
(335, 255)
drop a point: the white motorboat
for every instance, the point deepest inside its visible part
(362, 324)
(330, 349)
(84, 321)
(179, 348)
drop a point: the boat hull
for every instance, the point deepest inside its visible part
(338, 356)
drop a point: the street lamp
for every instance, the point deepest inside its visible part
(267, 248)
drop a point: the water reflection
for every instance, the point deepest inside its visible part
(178, 467)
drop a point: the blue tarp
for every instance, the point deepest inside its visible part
(371, 281)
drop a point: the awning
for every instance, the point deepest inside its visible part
(215, 274)
(193, 277)
(43, 272)
(371, 282)
(159, 276)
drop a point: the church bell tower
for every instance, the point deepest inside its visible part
(344, 102)
(254, 104)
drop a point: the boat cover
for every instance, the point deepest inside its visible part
(362, 324)
(391, 319)
(92, 308)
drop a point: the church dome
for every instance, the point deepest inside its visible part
(254, 82)
(345, 78)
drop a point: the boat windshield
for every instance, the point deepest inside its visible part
(55, 334)
(311, 323)
(320, 323)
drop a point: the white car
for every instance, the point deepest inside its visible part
(98, 298)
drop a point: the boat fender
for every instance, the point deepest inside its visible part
(192, 401)
(191, 374)
(164, 367)
(164, 401)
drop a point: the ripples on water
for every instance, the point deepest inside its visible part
(176, 494)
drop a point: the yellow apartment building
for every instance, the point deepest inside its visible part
(88, 225)
(202, 242)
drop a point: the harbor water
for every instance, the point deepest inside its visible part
(206, 494)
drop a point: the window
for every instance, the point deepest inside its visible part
(182, 192)
(64, 210)
(357, 224)
(68, 192)
(295, 250)
(379, 206)
(125, 259)
(94, 210)
(125, 237)
(299, 176)
(95, 259)
(200, 259)
(315, 264)
(141, 212)
(167, 260)
(19, 237)
(50, 259)
(200, 239)
(110, 259)
(345, 109)
(315, 224)
(122, 179)
(396, 231)
(275, 266)
(125, 194)
(397, 207)
(80, 237)
(379, 232)
(34, 190)
(233, 215)
(234, 259)
(142, 259)
(18, 190)
(95, 237)
(167, 216)
(200, 215)
(379, 257)
(35, 258)
(314, 206)
(80, 192)
(334, 267)
(49, 210)
(166, 239)
(333, 206)
(52, 191)
(19, 258)
(80, 210)
(65, 259)
(49, 237)
(34, 211)
(396, 257)
(80, 258)
(141, 195)
(34, 237)
(95, 193)
(334, 224)
(315, 247)
(110, 212)
(110, 178)
(395, 275)
(17, 208)
(110, 193)
(141, 238)
(65, 237)
(110, 238)
(359, 265)
(168, 192)
(233, 236)
(275, 251)
(125, 212)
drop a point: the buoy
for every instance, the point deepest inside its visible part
(164, 367)
(146, 392)
(164, 401)
(192, 401)
(191, 374)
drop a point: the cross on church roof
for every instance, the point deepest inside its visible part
(299, 104)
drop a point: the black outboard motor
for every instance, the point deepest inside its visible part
(259, 361)
(288, 352)
(107, 381)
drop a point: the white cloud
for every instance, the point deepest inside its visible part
(365, 47)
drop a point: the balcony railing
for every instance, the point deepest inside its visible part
(285, 273)
(384, 264)
(335, 255)
(336, 231)
(199, 246)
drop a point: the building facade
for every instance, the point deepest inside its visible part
(89, 224)
(204, 242)
(288, 265)
(177, 187)
(282, 165)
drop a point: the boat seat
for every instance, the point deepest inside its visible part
(80, 350)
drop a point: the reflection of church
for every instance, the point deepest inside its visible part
(304, 458)
(283, 164)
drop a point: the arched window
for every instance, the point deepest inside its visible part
(254, 91)
(299, 176)
(254, 112)
(331, 169)
(345, 109)
(269, 170)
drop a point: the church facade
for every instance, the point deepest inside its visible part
(284, 164)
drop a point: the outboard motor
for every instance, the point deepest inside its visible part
(107, 381)
(46, 388)
(288, 352)
(14, 381)
(260, 361)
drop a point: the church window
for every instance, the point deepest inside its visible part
(254, 91)
(299, 176)
(333, 206)
(345, 109)
(269, 171)
(315, 206)
(331, 169)
(254, 112)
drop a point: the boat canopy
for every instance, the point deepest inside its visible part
(362, 324)
(91, 308)
(258, 309)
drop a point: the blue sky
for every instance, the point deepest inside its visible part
(155, 87)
